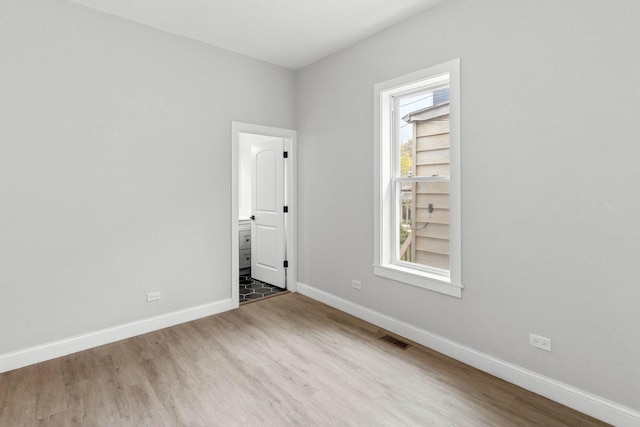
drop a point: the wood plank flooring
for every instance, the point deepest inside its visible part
(284, 361)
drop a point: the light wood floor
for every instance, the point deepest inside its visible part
(284, 361)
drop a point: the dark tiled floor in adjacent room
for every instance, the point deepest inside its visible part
(253, 289)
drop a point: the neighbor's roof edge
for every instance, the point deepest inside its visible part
(437, 111)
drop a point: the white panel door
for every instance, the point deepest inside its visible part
(267, 205)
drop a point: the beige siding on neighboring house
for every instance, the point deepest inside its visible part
(434, 157)
(439, 201)
(439, 216)
(432, 260)
(431, 170)
(431, 230)
(435, 231)
(437, 126)
(432, 142)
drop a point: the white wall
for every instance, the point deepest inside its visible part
(115, 167)
(551, 237)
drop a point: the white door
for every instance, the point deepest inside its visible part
(267, 206)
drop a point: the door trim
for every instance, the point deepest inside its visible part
(291, 224)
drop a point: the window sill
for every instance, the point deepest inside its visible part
(419, 279)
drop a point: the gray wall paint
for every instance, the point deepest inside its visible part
(115, 167)
(114, 175)
(550, 105)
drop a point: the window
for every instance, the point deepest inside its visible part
(417, 220)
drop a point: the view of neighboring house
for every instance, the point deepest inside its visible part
(425, 208)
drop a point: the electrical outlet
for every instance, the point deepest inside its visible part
(356, 285)
(540, 342)
(153, 296)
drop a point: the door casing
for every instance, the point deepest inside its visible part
(290, 137)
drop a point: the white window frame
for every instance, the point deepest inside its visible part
(384, 199)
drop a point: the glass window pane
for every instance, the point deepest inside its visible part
(423, 149)
(423, 224)
(422, 123)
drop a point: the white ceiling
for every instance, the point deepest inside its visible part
(290, 33)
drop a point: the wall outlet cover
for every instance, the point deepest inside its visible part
(542, 343)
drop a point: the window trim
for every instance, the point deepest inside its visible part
(383, 169)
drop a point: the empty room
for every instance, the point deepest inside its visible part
(319, 213)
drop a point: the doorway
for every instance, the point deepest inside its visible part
(263, 210)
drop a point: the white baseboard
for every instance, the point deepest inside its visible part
(29, 356)
(565, 394)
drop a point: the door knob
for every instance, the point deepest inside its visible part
(253, 217)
